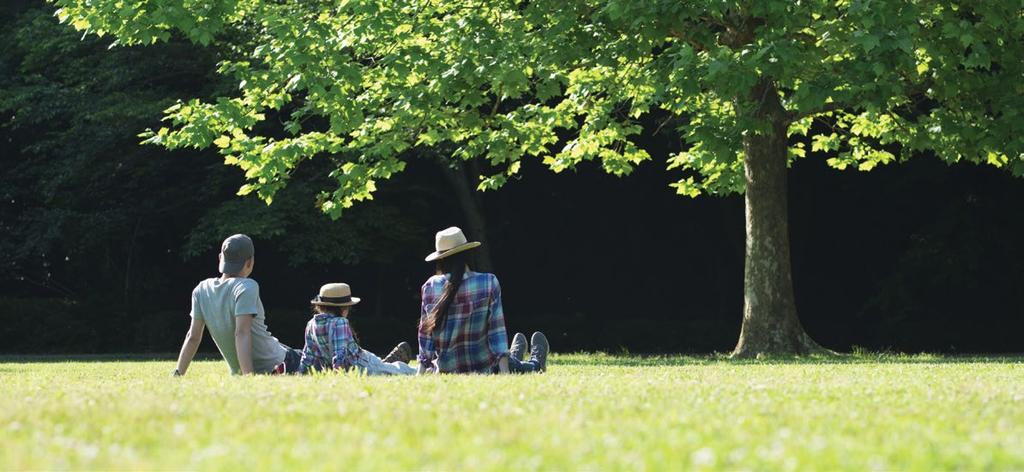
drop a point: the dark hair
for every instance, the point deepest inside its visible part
(336, 311)
(454, 264)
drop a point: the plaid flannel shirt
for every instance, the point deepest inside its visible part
(473, 339)
(330, 344)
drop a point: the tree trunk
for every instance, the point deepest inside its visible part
(770, 323)
(470, 204)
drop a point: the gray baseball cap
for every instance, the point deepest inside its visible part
(234, 252)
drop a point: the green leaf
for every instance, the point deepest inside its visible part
(869, 42)
(222, 142)
(822, 142)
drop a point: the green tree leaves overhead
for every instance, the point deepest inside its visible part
(866, 82)
(81, 204)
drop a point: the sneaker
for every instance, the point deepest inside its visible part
(518, 349)
(401, 353)
(539, 350)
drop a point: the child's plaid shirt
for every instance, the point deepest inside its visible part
(473, 339)
(330, 344)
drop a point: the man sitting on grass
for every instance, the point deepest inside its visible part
(230, 305)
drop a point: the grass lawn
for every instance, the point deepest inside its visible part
(588, 412)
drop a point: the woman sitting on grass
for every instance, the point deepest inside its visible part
(462, 325)
(331, 343)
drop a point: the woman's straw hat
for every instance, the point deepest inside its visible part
(450, 241)
(335, 295)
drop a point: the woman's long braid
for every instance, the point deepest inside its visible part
(456, 266)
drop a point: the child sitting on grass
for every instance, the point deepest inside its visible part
(331, 343)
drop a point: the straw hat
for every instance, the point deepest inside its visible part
(335, 295)
(450, 241)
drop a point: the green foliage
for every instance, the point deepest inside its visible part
(593, 412)
(372, 233)
(867, 83)
(77, 194)
(87, 213)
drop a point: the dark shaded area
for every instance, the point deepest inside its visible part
(102, 240)
(593, 359)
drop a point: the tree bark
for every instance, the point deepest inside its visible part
(770, 322)
(469, 202)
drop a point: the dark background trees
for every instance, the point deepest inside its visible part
(101, 239)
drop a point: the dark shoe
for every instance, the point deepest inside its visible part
(518, 349)
(539, 350)
(401, 353)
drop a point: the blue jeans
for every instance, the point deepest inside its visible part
(290, 365)
(370, 364)
(517, 366)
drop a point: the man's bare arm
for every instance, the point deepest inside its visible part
(243, 342)
(193, 337)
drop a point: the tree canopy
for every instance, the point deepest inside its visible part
(71, 124)
(567, 81)
(747, 86)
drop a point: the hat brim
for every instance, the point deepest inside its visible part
(354, 301)
(455, 250)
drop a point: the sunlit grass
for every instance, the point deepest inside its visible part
(588, 412)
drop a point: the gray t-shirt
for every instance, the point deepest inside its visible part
(217, 302)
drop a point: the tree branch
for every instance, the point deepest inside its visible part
(828, 107)
(48, 284)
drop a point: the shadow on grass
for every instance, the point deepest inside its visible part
(600, 359)
(633, 360)
(56, 358)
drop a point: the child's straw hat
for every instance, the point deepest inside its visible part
(335, 295)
